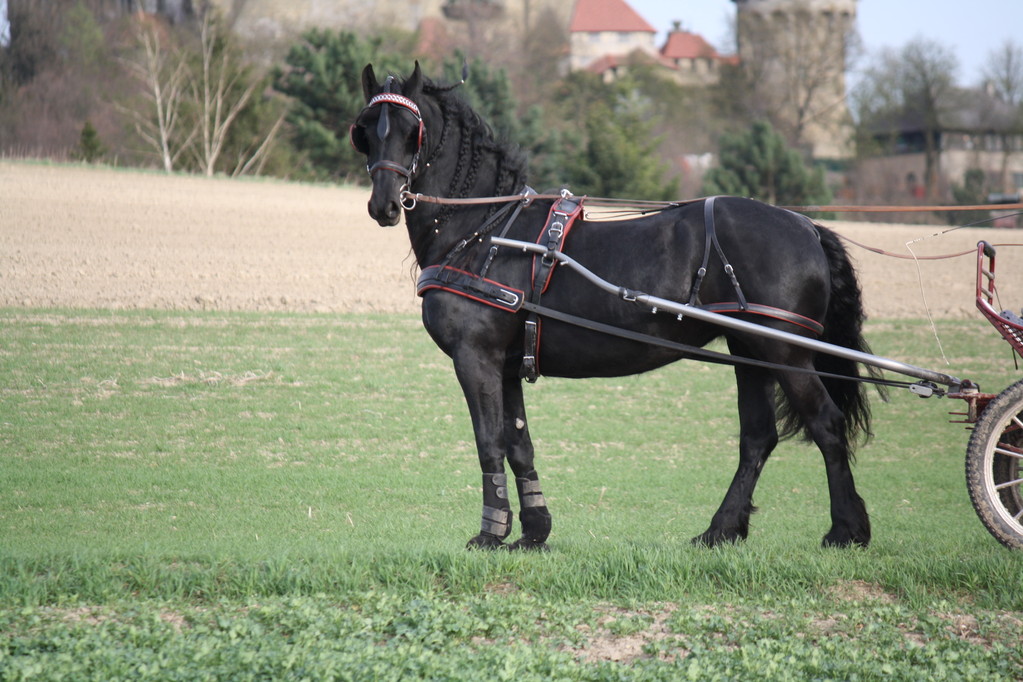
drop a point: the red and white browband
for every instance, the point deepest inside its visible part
(400, 100)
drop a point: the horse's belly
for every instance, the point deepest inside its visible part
(578, 353)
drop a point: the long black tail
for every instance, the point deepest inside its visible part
(843, 326)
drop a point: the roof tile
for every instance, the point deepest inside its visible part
(591, 16)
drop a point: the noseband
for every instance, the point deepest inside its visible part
(384, 99)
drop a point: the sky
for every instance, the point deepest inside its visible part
(5, 27)
(970, 29)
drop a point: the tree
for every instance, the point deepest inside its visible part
(322, 78)
(619, 159)
(54, 74)
(163, 74)
(221, 89)
(90, 148)
(1003, 74)
(599, 140)
(201, 109)
(758, 164)
(908, 90)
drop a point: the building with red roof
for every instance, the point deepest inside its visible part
(694, 60)
(609, 35)
(607, 28)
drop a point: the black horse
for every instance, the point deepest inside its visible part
(421, 137)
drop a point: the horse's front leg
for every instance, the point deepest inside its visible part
(533, 513)
(480, 375)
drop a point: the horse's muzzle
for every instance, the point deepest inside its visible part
(385, 207)
(386, 216)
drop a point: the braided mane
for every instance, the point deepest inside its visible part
(511, 161)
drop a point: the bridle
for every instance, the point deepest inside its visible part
(384, 100)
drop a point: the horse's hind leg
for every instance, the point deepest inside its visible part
(533, 513)
(758, 435)
(850, 523)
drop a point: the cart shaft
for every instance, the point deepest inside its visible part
(723, 320)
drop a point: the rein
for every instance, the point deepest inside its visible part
(604, 202)
(646, 207)
(640, 204)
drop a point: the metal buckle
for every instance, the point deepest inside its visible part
(510, 298)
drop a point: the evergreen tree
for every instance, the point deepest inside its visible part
(323, 77)
(759, 165)
(606, 146)
(90, 148)
(619, 159)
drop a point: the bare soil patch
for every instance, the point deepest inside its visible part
(85, 237)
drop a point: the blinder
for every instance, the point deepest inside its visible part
(357, 136)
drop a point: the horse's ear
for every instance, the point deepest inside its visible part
(369, 82)
(414, 85)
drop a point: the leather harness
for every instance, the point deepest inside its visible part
(560, 219)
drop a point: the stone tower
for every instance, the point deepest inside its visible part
(795, 54)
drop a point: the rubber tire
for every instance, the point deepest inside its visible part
(1001, 422)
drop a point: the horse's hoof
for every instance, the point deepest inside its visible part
(713, 538)
(527, 545)
(842, 540)
(485, 541)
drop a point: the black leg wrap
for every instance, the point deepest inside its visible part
(496, 510)
(535, 519)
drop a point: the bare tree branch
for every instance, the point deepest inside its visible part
(164, 77)
(215, 94)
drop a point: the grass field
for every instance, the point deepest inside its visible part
(287, 496)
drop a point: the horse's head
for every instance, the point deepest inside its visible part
(390, 132)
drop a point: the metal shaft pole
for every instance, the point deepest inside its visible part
(723, 320)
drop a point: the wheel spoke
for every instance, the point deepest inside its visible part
(1017, 516)
(1005, 450)
(1008, 484)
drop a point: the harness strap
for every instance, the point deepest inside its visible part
(472, 286)
(767, 311)
(527, 195)
(560, 220)
(477, 286)
(712, 238)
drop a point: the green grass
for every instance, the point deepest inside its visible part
(288, 496)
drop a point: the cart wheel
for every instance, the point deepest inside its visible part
(994, 474)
